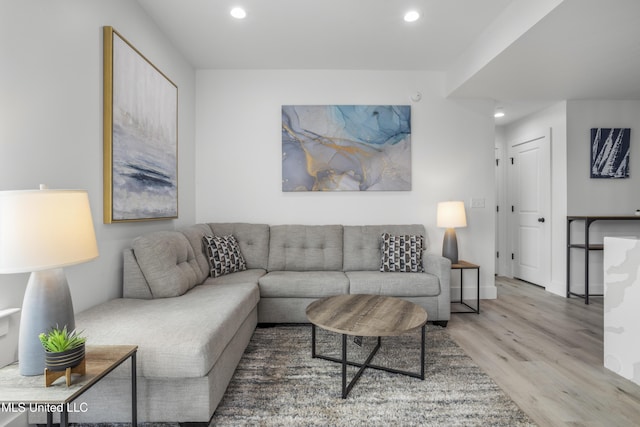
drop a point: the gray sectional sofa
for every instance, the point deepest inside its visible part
(192, 329)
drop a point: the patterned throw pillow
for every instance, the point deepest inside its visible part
(402, 253)
(223, 254)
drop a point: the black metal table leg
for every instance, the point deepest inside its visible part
(344, 362)
(346, 388)
(587, 224)
(344, 367)
(422, 351)
(478, 291)
(461, 286)
(569, 258)
(134, 392)
(64, 417)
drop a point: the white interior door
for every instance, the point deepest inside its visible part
(499, 209)
(531, 206)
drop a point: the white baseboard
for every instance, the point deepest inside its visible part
(557, 288)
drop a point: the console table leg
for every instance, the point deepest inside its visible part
(569, 258)
(461, 286)
(587, 223)
(134, 392)
(64, 417)
(478, 291)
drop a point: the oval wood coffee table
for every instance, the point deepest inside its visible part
(365, 315)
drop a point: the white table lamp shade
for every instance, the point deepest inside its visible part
(451, 215)
(42, 231)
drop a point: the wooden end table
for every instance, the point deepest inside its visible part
(464, 265)
(365, 315)
(24, 393)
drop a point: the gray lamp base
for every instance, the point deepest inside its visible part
(47, 304)
(450, 245)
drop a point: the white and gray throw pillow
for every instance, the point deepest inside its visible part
(224, 255)
(402, 253)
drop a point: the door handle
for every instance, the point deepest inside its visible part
(541, 219)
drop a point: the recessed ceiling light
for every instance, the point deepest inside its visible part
(411, 16)
(238, 13)
(499, 113)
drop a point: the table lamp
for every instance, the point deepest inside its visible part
(450, 216)
(42, 231)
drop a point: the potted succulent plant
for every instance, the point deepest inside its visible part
(63, 349)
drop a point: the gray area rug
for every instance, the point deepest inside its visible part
(277, 383)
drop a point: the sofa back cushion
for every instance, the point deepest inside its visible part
(252, 238)
(305, 248)
(134, 284)
(194, 234)
(168, 262)
(362, 244)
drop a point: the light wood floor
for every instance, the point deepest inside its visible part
(546, 353)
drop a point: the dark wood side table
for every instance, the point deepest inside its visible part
(464, 265)
(24, 393)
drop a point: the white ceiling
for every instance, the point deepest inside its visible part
(574, 49)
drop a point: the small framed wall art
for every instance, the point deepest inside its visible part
(140, 136)
(346, 148)
(610, 149)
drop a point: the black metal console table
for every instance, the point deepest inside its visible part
(587, 247)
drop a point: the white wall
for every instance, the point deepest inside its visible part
(537, 124)
(601, 196)
(51, 123)
(587, 196)
(239, 154)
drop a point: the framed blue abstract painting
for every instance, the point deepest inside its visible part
(610, 149)
(346, 148)
(140, 136)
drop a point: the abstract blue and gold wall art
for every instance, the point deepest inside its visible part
(346, 148)
(610, 149)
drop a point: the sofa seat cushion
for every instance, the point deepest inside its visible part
(180, 337)
(246, 276)
(307, 284)
(393, 284)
